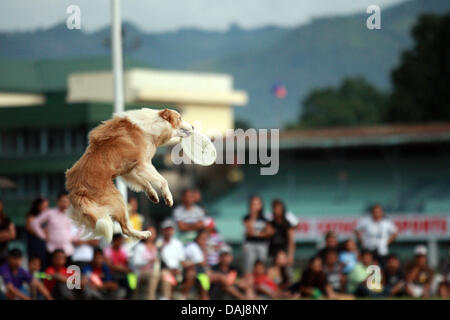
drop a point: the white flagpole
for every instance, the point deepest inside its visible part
(116, 46)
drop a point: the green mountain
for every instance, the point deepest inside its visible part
(321, 54)
(317, 54)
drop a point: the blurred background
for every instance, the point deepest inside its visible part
(364, 114)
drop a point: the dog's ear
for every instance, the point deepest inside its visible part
(168, 115)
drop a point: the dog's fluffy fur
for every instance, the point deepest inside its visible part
(122, 146)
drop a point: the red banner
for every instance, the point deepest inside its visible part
(409, 227)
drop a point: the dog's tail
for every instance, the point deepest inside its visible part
(104, 227)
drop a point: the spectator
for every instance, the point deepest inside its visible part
(225, 284)
(97, 280)
(34, 265)
(147, 265)
(444, 284)
(195, 253)
(331, 243)
(262, 282)
(83, 252)
(117, 260)
(136, 219)
(189, 217)
(58, 230)
(257, 234)
(173, 259)
(215, 242)
(284, 231)
(356, 283)
(34, 269)
(58, 275)
(393, 277)
(279, 271)
(333, 270)
(376, 233)
(196, 193)
(419, 275)
(7, 233)
(35, 245)
(15, 277)
(348, 257)
(313, 283)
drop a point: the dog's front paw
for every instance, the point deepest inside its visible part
(168, 199)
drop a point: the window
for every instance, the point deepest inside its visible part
(9, 142)
(32, 141)
(79, 139)
(56, 183)
(55, 140)
(32, 185)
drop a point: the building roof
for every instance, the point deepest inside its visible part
(365, 136)
(51, 75)
(144, 85)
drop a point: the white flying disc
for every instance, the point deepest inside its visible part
(199, 149)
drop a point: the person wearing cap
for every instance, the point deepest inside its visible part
(376, 233)
(215, 242)
(224, 283)
(419, 275)
(173, 258)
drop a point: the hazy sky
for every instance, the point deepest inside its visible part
(162, 15)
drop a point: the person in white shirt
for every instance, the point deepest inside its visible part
(173, 258)
(83, 252)
(376, 233)
(145, 262)
(195, 253)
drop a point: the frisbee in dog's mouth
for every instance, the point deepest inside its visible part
(199, 148)
(184, 132)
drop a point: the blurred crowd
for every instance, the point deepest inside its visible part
(187, 258)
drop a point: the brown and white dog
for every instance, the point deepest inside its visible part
(122, 146)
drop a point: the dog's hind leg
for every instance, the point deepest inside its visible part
(119, 213)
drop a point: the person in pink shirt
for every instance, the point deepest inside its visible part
(57, 232)
(116, 255)
(117, 261)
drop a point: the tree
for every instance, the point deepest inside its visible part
(421, 82)
(354, 102)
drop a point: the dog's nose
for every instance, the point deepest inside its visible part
(192, 127)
